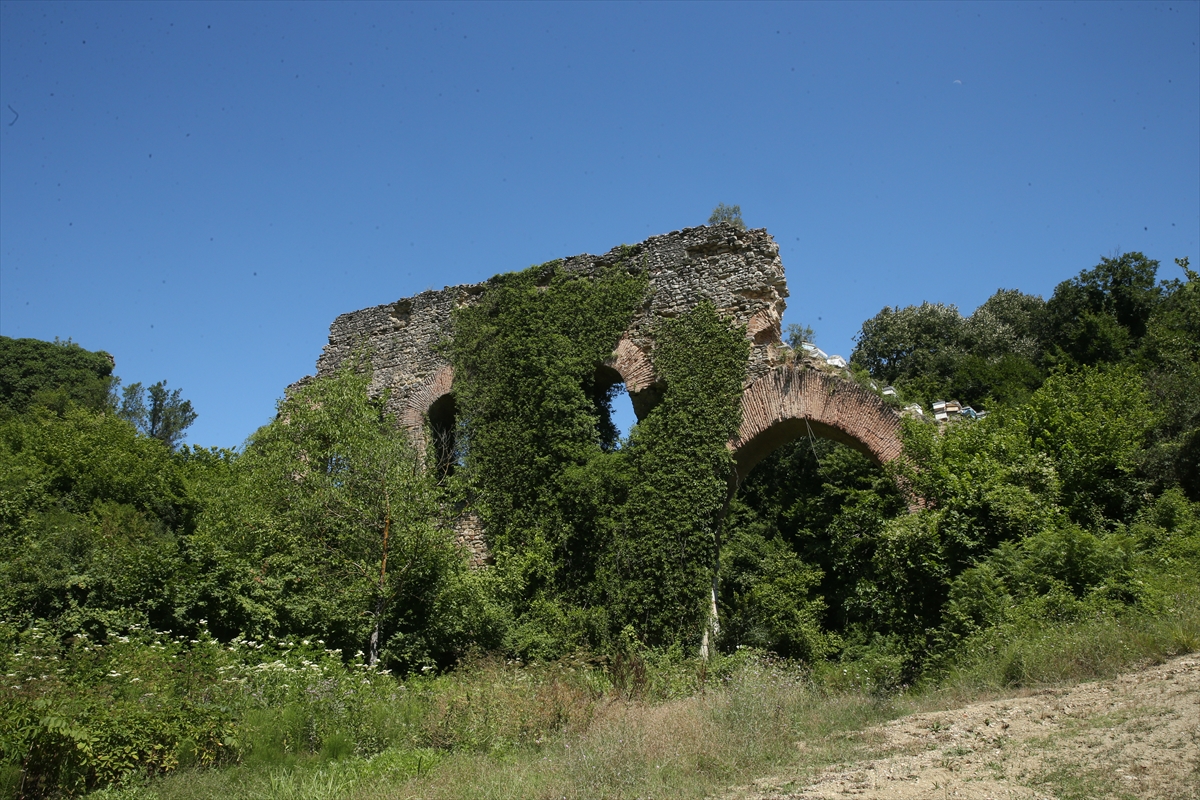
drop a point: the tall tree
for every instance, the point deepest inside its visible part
(931, 351)
(1101, 314)
(165, 417)
(333, 530)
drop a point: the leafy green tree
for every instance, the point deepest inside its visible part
(908, 342)
(1170, 357)
(1102, 314)
(1009, 323)
(166, 417)
(331, 528)
(769, 598)
(931, 352)
(828, 503)
(987, 481)
(1094, 425)
(727, 215)
(91, 516)
(52, 373)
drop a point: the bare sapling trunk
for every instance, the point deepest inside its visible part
(380, 596)
(712, 627)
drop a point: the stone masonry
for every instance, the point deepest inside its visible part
(739, 271)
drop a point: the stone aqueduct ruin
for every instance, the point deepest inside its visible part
(739, 271)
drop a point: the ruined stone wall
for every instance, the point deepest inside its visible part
(739, 271)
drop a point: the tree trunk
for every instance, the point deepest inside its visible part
(373, 644)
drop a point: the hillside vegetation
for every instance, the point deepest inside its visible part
(294, 618)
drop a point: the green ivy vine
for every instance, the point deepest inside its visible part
(591, 534)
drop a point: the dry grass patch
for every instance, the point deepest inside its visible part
(765, 716)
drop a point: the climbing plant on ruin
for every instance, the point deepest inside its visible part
(589, 536)
(525, 359)
(661, 568)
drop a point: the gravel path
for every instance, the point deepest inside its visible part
(1136, 736)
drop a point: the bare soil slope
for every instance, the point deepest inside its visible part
(1136, 736)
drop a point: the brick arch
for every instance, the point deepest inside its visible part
(637, 372)
(633, 365)
(789, 401)
(416, 406)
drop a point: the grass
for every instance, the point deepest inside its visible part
(1083, 650)
(570, 730)
(689, 747)
(506, 731)
(1073, 782)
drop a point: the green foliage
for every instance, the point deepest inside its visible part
(90, 519)
(330, 527)
(768, 599)
(727, 215)
(904, 342)
(1024, 510)
(1101, 315)
(1019, 476)
(664, 556)
(166, 417)
(1171, 357)
(1094, 424)
(589, 537)
(117, 709)
(82, 457)
(52, 374)
(809, 517)
(528, 391)
(534, 406)
(931, 352)
(1115, 586)
(795, 335)
(90, 712)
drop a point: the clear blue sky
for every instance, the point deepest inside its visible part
(200, 188)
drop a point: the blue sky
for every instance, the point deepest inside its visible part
(200, 188)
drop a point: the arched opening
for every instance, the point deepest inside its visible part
(791, 402)
(789, 430)
(810, 505)
(607, 387)
(617, 408)
(632, 367)
(622, 413)
(443, 444)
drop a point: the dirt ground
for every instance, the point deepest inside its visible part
(1136, 736)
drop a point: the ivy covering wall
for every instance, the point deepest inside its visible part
(591, 534)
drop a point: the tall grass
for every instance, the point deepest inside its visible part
(1088, 649)
(760, 716)
(568, 729)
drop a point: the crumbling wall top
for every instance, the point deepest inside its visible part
(739, 271)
